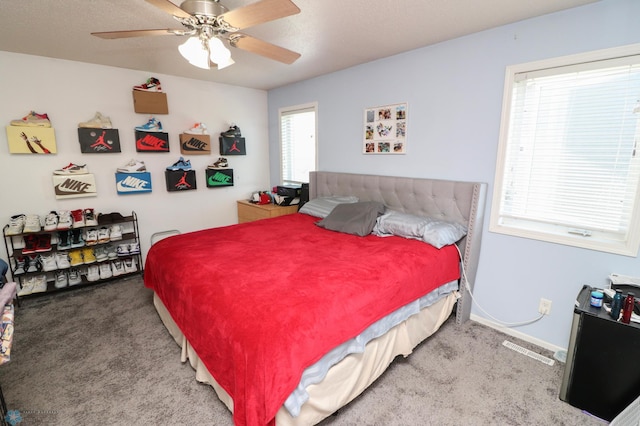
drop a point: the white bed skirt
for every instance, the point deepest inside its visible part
(345, 380)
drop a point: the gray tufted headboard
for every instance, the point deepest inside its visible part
(461, 202)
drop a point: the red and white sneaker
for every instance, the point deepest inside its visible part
(197, 129)
(78, 218)
(33, 119)
(72, 169)
(151, 85)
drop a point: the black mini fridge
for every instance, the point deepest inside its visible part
(602, 372)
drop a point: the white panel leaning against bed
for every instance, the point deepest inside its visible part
(454, 201)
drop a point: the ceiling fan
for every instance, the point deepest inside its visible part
(208, 23)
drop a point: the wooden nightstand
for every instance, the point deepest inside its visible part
(248, 212)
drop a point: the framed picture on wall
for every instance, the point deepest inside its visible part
(385, 129)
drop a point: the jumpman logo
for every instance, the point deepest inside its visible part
(100, 144)
(234, 147)
(182, 183)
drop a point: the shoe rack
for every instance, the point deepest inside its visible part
(76, 254)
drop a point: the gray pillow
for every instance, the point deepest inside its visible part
(436, 232)
(321, 207)
(353, 218)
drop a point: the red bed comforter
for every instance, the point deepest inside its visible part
(261, 301)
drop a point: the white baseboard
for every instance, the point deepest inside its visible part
(517, 334)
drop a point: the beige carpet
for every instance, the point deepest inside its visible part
(99, 355)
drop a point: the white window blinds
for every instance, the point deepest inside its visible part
(298, 143)
(569, 168)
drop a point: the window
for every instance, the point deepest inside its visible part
(297, 143)
(568, 166)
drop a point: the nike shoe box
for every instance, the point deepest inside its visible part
(31, 140)
(195, 144)
(150, 102)
(180, 180)
(232, 146)
(74, 186)
(99, 141)
(133, 183)
(219, 177)
(152, 141)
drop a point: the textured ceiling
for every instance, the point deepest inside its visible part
(330, 34)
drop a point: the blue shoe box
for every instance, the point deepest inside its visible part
(133, 183)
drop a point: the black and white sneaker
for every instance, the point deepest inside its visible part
(233, 132)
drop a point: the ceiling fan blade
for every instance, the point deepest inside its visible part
(260, 47)
(260, 12)
(132, 33)
(169, 7)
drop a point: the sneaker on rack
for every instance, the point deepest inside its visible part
(78, 218)
(48, 262)
(152, 125)
(130, 265)
(88, 256)
(43, 243)
(33, 119)
(117, 268)
(151, 85)
(26, 286)
(123, 250)
(16, 224)
(93, 273)
(61, 279)
(101, 253)
(197, 129)
(91, 239)
(75, 258)
(32, 223)
(112, 251)
(115, 232)
(64, 220)
(221, 163)
(30, 244)
(98, 121)
(105, 271)
(72, 169)
(134, 248)
(20, 266)
(64, 240)
(133, 166)
(181, 164)
(51, 221)
(34, 264)
(103, 235)
(62, 260)
(76, 238)
(74, 277)
(90, 218)
(40, 284)
(233, 132)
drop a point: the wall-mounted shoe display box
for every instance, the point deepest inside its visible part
(64, 259)
(133, 183)
(180, 180)
(150, 102)
(75, 186)
(232, 146)
(31, 140)
(152, 141)
(219, 177)
(195, 144)
(99, 141)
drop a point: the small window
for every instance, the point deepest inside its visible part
(568, 166)
(297, 143)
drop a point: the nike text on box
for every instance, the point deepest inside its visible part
(219, 177)
(31, 140)
(152, 141)
(74, 186)
(150, 102)
(232, 146)
(99, 141)
(195, 144)
(133, 183)
(180, 180)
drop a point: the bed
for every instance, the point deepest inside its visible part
(289, 321)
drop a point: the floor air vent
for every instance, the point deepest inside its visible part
(527, 352)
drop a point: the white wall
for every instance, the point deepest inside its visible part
(71, 92)
(454, 91)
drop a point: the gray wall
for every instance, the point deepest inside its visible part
(454, 91)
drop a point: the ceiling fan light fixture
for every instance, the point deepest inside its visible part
(219, 53)
(195, 52)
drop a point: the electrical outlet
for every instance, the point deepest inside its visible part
(544, 307)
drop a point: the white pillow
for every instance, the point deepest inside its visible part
(436, 232)
(321, 207)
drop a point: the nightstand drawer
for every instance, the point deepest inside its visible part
(248, 212)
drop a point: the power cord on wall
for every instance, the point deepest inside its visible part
(473, 299)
